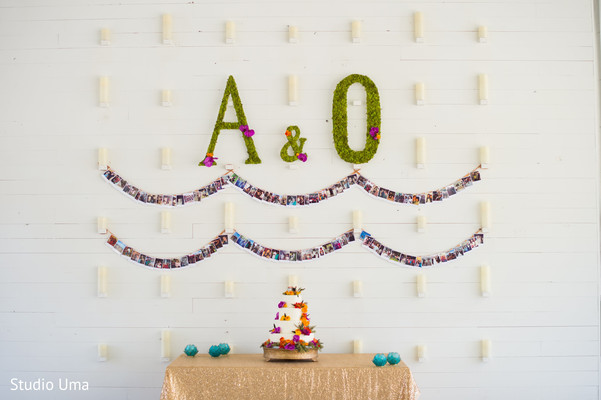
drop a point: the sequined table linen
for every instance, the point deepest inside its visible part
(249, 376)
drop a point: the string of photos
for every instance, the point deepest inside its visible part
(167, 263)
(303, 255)
(290, 200)
(397, 257)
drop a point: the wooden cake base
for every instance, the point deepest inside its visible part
(289, 355)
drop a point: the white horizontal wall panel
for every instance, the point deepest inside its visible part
(540, 125)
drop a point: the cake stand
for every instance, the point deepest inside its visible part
(289, 355)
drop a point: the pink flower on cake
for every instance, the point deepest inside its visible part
(282, 304)
(277, 315)
(295, 338)
(276, 329)
(290, 346)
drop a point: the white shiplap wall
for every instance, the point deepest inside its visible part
(541, 126)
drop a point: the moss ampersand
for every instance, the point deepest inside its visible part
(340, 120)
(231, 90)
(296, 143)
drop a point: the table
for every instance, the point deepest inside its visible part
(248, 376)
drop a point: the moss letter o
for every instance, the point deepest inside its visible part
(340, 123)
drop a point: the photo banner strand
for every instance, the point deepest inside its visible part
(290, 200)
(303, 255)
(167, 263)
(397, 257)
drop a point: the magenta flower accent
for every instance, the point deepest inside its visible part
(295, 338)
(302, 157)
(277, 315)
(269, 345)
(373, 131)
(290, 346)
(305, 331)
(281, 304)
(209, 161)
(247, 132)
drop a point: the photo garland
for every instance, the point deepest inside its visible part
(397, 257)
(287, 200)
(253, 247)
(167, 263)
(165, 200)
(303, 255)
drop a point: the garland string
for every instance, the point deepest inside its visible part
(291, 200)
(302, 255)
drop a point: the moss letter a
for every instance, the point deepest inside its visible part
(232, 90)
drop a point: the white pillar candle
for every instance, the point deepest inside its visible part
(356, 31)
(421, 224)
(293, 224)
(421, 285)
(418, 27)
(292, 34)
(165, 286)
(103, 158)
(229, 217)
(484, 156)
(357, 220)
(292, 90)
(165, 345)
(420, 93)
(165, 222)
(166, 98)
(166, 158)
(357, 346)
(102, 281)
(420, 152)
(485, 280)
(482, 34)
(101, 225)
(486, 350)
(485, 216)
(105, 37)
(102, 352)
(167, 29)
(357, 289)
(230, 32)
(421, 351)
(103, 91)
(229, 289)
(483, 88)
(292, 280)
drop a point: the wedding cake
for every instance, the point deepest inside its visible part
(292, 333)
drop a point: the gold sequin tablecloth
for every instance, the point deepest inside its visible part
(249, 376)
